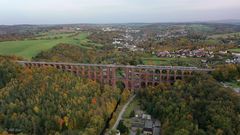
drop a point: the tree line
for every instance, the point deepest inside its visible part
(196, 106)
(70, 53)
(227, 72)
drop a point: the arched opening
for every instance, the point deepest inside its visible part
(164, 75)
(157, 71)
(121, 85)
(143, 85)
(149, 84)
(63, 67)
(119, 72)
(172, 75)
(179, 75)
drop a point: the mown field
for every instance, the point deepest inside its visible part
(172, 61)
(200, 28)
(235, 50)
(237, 34)
(30, 48)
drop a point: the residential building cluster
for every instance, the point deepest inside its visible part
(145, 124)
(199, 53)
(171, 33)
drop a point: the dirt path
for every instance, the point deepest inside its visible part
(122, 112)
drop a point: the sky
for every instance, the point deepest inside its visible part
(115, 11)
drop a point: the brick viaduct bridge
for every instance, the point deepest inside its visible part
(132, 77)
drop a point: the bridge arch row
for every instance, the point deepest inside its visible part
(133, 77)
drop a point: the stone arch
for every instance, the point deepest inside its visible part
(164, 75)
(158, 71)
(156, 84)
(143, 85)
(178, 75)
(149, 84)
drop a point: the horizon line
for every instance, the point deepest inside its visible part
(223, 21)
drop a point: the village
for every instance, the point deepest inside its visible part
(199, 53)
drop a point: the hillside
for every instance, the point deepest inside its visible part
(197, 106)
(39, 101)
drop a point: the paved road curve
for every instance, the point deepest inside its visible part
(122, 112)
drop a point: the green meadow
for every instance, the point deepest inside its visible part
(226, 35)
(29, 48)
(171, 61)
(235, 50)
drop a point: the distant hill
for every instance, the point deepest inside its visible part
(227, 21)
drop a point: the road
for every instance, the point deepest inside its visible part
(122, 112)
(226, 85)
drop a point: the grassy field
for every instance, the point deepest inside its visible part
(53, 35)
(171, 61)
(225, 35)
(236, 50)
(234, 84)
(132, 106)
(30, 48)
(200, 28)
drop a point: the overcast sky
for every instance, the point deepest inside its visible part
(115, 11)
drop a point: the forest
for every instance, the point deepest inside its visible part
(39, 101)
(196, 106)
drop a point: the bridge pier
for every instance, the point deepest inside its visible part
(101, 75)
(126, 78)
(83, 72)
(168, 75)
(175, 75)
(77, 71)
(89, 72)
(95, 74)
(108, 75)
(132, 79)
(182, 74)
(160, 77)
(146, 78)
(153, 76)
(114, 77)
(190, 72)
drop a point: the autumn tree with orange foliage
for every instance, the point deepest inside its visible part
(196, 106)
(48, 101)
